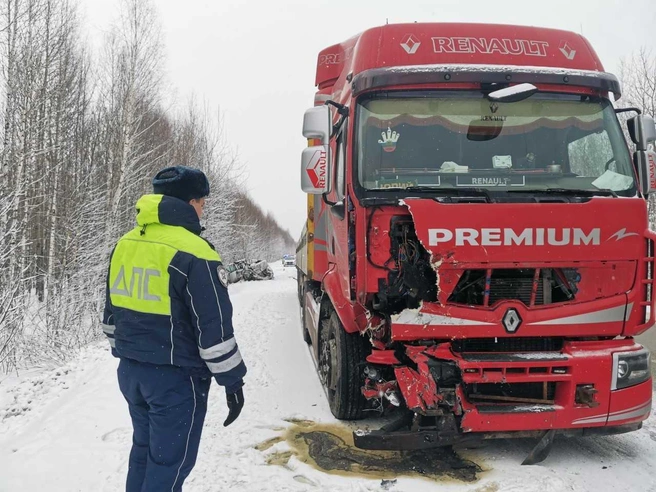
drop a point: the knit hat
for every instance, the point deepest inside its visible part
(181, 182)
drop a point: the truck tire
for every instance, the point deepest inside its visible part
(301, 300)
(300, 281)
(306, 333)
(341, 356)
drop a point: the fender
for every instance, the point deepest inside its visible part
(352, 315)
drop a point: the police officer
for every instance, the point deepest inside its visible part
(168, 318)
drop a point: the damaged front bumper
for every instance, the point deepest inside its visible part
(460, 396)
(383, 440)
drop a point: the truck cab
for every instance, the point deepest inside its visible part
(477, 256)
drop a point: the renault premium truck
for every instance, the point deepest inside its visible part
(477, 259)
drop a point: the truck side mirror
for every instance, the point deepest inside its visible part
(317, 124)
(642, 130)
(315, 170)
(646, 165)
(315, 160)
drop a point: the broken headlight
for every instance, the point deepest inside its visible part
(630, 368)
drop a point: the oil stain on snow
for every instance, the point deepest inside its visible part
(329, 448)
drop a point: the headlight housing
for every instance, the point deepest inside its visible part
(630, 368)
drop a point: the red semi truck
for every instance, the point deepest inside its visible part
(477, 256)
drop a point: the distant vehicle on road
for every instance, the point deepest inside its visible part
(248, 270)
(288, 260)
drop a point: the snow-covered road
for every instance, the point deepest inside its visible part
(68, 429)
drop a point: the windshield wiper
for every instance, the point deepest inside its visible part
(461, 191)
(569, 192)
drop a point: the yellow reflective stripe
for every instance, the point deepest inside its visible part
(139, 277)
(175, 237)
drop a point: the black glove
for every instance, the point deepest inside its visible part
(235, 404)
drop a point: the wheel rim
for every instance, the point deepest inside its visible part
(332, 347)
(328, 361)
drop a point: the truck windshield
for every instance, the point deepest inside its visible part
(460, 139)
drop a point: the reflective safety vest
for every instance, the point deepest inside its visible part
(167, 299)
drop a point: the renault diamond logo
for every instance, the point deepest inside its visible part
(567, 51)
(410, 44)
(511, 320)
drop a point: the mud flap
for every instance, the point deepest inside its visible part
(541, 449)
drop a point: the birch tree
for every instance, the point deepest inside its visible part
(131, 94)
(80, 143)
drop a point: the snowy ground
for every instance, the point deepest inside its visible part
(68, 429)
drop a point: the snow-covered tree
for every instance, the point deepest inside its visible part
(80, 143)
(638, 76)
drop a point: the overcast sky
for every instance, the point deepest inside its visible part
(256, 59)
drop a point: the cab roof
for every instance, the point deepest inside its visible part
(404, 45)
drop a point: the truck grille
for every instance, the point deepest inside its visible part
(531, 286)
(512, 344)
(504, 287)
(504, 393)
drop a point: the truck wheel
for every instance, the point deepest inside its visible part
(301, 300)
(300, 281)
(341, 356)
(306, 332)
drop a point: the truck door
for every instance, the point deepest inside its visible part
(338, 241)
